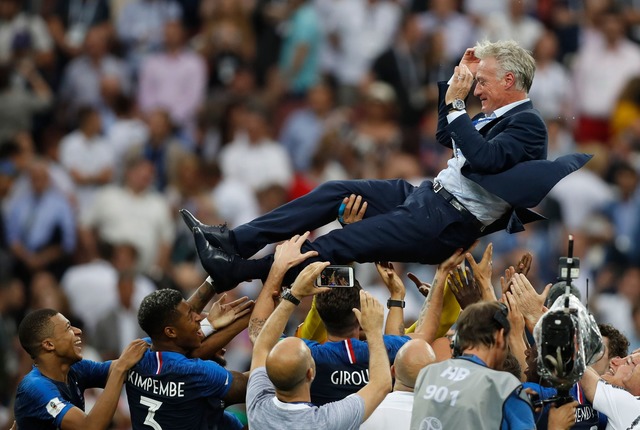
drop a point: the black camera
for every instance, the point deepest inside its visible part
(567, 336)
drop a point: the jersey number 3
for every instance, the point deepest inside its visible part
(153, 406)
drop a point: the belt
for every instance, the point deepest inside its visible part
(438, 188)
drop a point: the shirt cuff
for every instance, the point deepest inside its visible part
(453, 115)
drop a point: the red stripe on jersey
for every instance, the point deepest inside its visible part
(579, 394)
(350, 353)
(159, 358)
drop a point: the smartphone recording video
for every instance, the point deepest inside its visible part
(335, 277)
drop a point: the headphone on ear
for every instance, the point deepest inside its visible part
(500, 317)
(455, 346)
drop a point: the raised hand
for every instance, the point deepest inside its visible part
(391, 279)
(371, 314)
(288, 252)
(423, 287)
(452, 262)
(562, 417)
(482, 272)
(304, 285)
(505, 281)
(470, 60)
(352, 209)
(523, 266)
(132, 354)
(464, 287)
(222, 314)
(530, 303)
(516, 319)
(460, 84)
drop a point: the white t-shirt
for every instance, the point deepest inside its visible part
(619, 405)
(257, 165)
(88, 156)
(143, 220)
(393, 413)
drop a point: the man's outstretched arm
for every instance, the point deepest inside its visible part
(102, 412)
(202, 296)
(429, 319)
(287, 255)
(275, 324)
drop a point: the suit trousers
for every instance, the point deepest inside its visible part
(402, 223)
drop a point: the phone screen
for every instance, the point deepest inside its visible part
(336, 276)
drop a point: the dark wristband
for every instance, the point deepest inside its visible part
(287, 295)
(395, 303)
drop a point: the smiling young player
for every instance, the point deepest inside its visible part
(51, 395)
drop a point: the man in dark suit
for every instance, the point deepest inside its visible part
(498, 170)
(402, 66)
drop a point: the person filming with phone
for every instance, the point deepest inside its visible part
(278, 393)
(342, 362)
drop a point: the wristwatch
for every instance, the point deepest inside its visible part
(395, 303)
(287, 295)
(457, 104)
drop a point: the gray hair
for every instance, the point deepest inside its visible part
(510, 57)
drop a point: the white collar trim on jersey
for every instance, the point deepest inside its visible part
(290, 406)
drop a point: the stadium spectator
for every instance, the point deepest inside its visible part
(299, 65)
(71, 22)
(140, 27)
(24, 36)
(253, 158)
(608, 57)
(18, 106)
(516, 25)
(40, 226)
(162, 148)
(363, 30)
(150, 230)
(551, 88)
(173, 79)
(304, 127)
(82, 77)
(91, 288)
(403, 67)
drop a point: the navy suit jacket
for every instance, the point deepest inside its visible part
(507, 157)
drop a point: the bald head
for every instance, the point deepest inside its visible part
(288, 364)
(410, 359)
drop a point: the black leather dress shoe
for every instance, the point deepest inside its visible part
(217, 263)
(217, 235)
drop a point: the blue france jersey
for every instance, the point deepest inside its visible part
(42, 403)
(167, 390)
(342, 368)
(586, 417)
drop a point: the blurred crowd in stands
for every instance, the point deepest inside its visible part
(114, 114)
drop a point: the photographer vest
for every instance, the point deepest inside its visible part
(459, 394)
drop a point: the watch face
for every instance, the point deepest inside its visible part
(458, 104)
